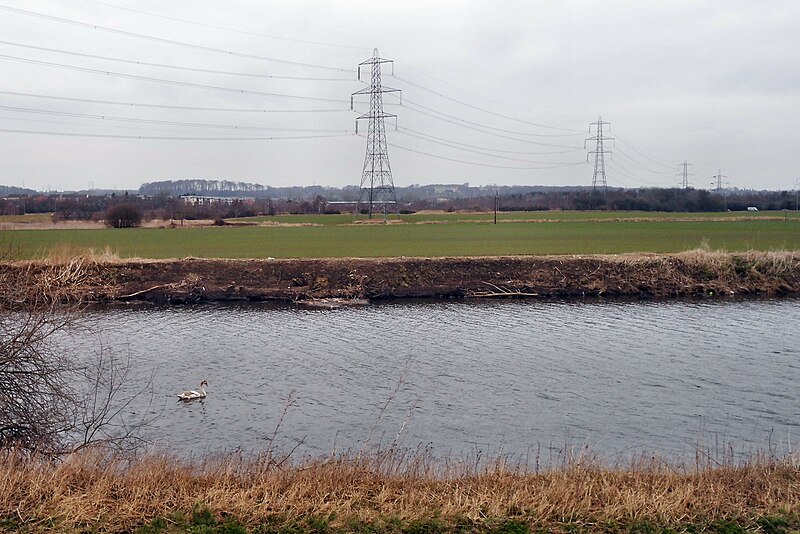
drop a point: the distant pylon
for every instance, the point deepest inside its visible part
(684, 173)
(719, 179)
(599, 152)
(376, 178)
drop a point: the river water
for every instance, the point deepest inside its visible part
(465, 378)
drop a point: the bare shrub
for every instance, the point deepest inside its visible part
(123, 216)
(36, 400)
(53, 401)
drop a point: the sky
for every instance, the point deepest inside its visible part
(113, 93)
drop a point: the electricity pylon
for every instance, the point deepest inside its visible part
(599, 176)
(684, 173)
(376, 178)
(719, 179)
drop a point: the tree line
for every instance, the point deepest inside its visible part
(164, 206)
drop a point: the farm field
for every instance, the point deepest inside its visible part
(316, 237)
(521, 216)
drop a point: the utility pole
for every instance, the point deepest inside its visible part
(599, 152)
(376, 178)
(684, 174)
(797, 195)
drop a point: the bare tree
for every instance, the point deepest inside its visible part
(36, 401)
(51, 400)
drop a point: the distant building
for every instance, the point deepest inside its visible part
(200, 200)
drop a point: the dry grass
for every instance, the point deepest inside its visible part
(705, 272)
(117, 495)
(65, 275)
(767, 272)
(69, 252)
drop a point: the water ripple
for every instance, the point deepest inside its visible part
(620, 377)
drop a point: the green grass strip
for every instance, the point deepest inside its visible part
(429, 240)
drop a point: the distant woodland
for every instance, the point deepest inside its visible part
(227, 199)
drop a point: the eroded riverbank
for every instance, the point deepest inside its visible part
(684, 274)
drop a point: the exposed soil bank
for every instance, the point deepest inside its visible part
(197, 280)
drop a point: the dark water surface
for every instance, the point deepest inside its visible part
(461, 377)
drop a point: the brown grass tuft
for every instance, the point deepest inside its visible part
(69, 252)
(117, 495)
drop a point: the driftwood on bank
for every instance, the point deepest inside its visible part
(200, 280)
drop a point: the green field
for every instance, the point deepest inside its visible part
(376, 240)
(347, 218)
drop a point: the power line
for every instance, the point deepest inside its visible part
(475, 163)
(449, 84)
(467, 104)
(170, 138)
(163, 80)
(514, 132)
(165, 41)
(114, 126)
(477, 151)
(619, 165)
(524, 152)
(641, 166)
(469, 127)
(166, 106)
(620, 170)
(164, 122)
(203, 25)
(632, 173)
(639, 152)
(173, 67)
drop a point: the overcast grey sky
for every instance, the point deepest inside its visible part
(713, 83)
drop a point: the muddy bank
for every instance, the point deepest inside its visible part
(199, 280)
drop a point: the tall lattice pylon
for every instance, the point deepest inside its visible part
(599, 152)
(684, 174)
(377, 186)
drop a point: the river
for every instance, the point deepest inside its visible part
(475, 378)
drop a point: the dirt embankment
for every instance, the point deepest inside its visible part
(198, 280)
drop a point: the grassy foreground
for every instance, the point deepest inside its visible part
(423, 240)
(393, 493)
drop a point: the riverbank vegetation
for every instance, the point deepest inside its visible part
(696, 273)
(395, 492)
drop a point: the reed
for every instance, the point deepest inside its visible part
(392, 492)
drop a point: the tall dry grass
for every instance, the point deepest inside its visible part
(703, 271)
(65, 274)
(116, 495)
(69, 252)
(774, 262)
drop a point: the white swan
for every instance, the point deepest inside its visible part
(192, 394)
